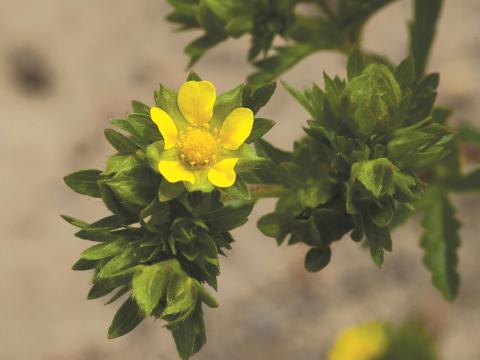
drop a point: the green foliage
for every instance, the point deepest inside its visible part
(126, 319)
(162, 244)
(422, 31)
(440, 241)
(264, 21)
(317, 258)
(355, 172)
(84, 182)
(375, 150)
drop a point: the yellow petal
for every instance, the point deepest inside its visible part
(236, 128)
(222, 174)
(165, 125)
(174, 171)
(196, 100)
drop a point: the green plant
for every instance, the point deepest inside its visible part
(376, 150)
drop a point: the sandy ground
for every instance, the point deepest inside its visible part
(66, 66)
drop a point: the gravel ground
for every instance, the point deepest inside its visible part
(66, 66)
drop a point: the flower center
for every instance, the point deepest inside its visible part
(198, 147)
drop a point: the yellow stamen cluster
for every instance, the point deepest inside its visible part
(198, 147)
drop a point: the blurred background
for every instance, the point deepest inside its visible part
(67, 66)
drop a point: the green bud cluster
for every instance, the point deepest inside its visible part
(368, 138)
(161, 244)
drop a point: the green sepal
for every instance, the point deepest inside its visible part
(225, 104)
(169, 191)
(239, 190)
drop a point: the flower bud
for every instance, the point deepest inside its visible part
(373, 97)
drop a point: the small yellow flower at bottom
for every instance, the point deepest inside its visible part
(198, 152)
(364, 342)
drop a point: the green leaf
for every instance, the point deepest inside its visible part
(127, 126)
(440, 241)
(122, 291)
(356, 63)
(239, 190)
(144, 128)
(100, 289)
(317, 258)
(287, 57)
(120, 142)
(138, 185)
(113, 203)
(465, 183)
(82, 265)
(74, 221)
(301, 97)
(84, 182)
(422, 31)
(149, 286)
(182, 294)
(256, 97)
(375, 175)
(125, 320)
(405, 73)
(229, 217)
(290, 174)
(140, 108)
(184, 13)
(104, 250)
(378, 240)
(207, 298)
(239, 26)
(260, 127)
(274, 225)
(107, 223)
(418, 148)
(267, 150)
(169, 191)
(121, 162)
(189, 336)
(128, 257)
(93, 235)
(197, 48)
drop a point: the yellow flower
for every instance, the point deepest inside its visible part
(197, 148)
(364, 342)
